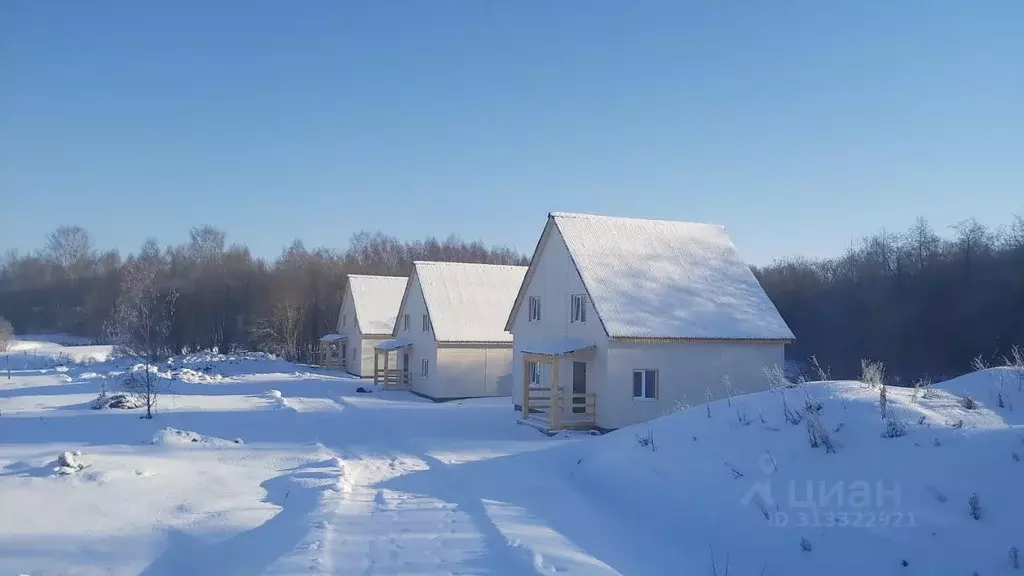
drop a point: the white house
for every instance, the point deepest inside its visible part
(619, 320)
(369, 307)
(450, 339)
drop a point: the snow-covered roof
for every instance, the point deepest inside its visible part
(332, 337)
(376, 299)
(557, 347)
(663, 279)
(392, 344)
(469, 302)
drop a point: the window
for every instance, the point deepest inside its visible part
(344, 320)
(425, 368)
(533, 369)
(578, 308)
(645, 384)
(426, 323)
(534, 309)
(405, 322)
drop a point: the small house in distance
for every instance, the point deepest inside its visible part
(449, 340)
(620, 319)
(367, 316)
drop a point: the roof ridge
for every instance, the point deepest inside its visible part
(443, 262)
(585, 215)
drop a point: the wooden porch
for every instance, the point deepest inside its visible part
(332, 352)
(550, 407)
(392, 374)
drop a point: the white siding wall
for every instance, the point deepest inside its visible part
(685, 371)
(347, 327)
(423, 344)
(469, 372)
(554, 279)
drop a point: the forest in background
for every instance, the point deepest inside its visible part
(925, 304)
(214, 295)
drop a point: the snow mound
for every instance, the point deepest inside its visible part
(118, 401)
(755, 476)
(68, 463)
(172, 436)
(276, 397)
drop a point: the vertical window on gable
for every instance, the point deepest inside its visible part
(405, 322)
(534, 309)
(645, 384)
(578, 308)
(344, 320)
(426, 323)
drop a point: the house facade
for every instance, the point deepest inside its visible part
(449, 340)
(621, 320)
(369, 306)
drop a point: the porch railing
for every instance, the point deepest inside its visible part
(390, 379)
(563, 410)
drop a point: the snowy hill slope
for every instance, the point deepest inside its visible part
(738, 481)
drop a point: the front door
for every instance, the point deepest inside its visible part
(579, 386)
(405, 362)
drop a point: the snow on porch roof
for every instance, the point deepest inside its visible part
(557, 347)
(392, 344)
(332, 337)
(663, 279)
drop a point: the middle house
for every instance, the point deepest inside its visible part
(449, 339)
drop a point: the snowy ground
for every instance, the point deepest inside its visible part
(258, 466)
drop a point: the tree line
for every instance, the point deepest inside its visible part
(924, 304)
(205, 293)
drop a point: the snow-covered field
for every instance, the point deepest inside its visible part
(253, 465)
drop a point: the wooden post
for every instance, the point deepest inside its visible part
(526, 387)
(386, 375)
(376, 367)
(556, 395)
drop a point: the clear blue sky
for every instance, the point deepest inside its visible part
(797, 124)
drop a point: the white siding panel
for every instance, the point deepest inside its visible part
(554, 280)
(685, 371)
(423, 344)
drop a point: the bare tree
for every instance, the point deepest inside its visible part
(140, 326)
(6, 334)
(69, 247)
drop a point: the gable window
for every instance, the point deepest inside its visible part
(534, 370)
(578, 308)
(405, 322)
(426, 323)
(344, 320)
(645, 384)
(425, 368)
(534, 309)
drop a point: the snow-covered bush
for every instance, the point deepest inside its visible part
(647, 440)
(968, 403)
(894, 427)
(974, 506)
(872, 373)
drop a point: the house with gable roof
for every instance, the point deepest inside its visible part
(449, 340)
(369, 307)
(619, 320)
